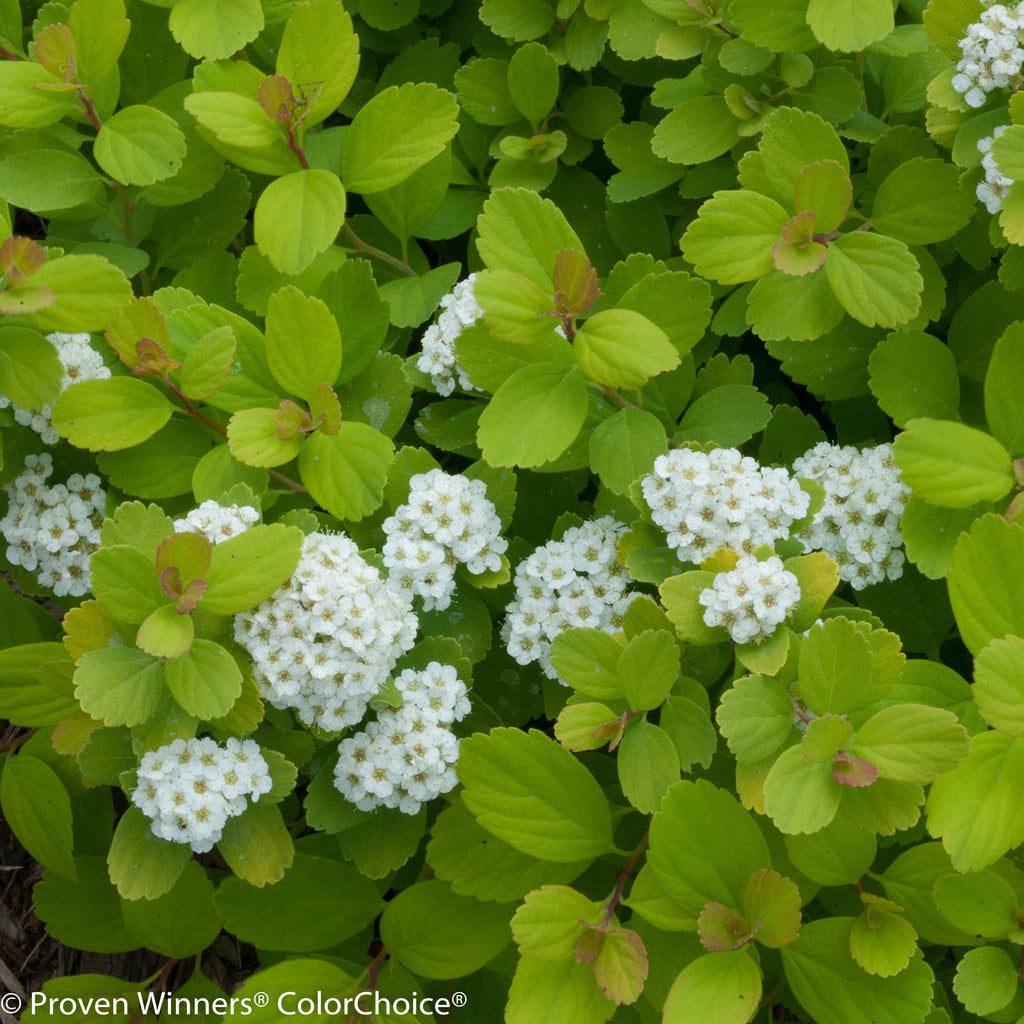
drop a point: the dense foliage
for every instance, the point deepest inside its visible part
(517, 502)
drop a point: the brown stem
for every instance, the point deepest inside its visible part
(800, 713)
(293, 485)
(7, 55)
(297, 149)
(90, 110)
(374, 967)
(380, 254)
(17, 742)
(612, 904)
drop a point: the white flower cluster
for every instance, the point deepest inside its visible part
(408, 755)
(992, 54)
(325, 642)
(575, 581)
(459, 310)
(53, 530)
(751, 599)
(993, 189)
(217, 522)
(721, 499)
(81, 362)
(859, 524)
(448, 520)
(190, 788)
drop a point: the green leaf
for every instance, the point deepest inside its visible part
(119, 685)
(205, 681)
(207, 364)
(779, 25)
(214, 31)
(696, 131)
(412, 300)
(106, 415)
(297, 365)
(514, 307)
(648, 667)
(408, 208)
(297, 217)
(551, 921)
(253, 440)
(248, 568)
(23, 104)
(881, 941)
(518, 20)
(825, 189)
(319, 54)
(165, 633)
(624, 446)
(975, 808)
(797, 308)
(986, 980)
(587, 660)
(534, 416)
(724, 986)
(243, 131)
(395, 133)
(315, 905)
(999, 685)
(126, 581)
(980, 903)
(833, 989)
(31, 372)
(850, 25)
(142, 866)
(533, 81)
(37, 808)
(731, 240)
(876, 278)
(621, 348)
(791, 140)
(756, 717)
(640, 173)
(550, 990)
(704, 846)
(100, 29)
(49, 179)
(90, 293)
(800, 796)
(1003, 384)
(482, 85)
(843, 668)
(531, 792)
(139, 145)
(921, 202)
(914, 375)
(648, 765)
(258, 846)
(728, 415)
(180, 923)
(346, 472)
(947, 21)
(383, 840)
(824, 737)
(952, 465)
(439, 934)
(912, 742)
(838, 854)
(521, 232)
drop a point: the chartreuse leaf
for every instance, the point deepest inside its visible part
(586, 726)
(534, 416)
(550, 990)
(1004, 380)
(833, 989)
(704, 846)
(282, 916)
(90, 293)
(911, 742)
(22, 104)
(319, 55)
(723, 986)
(439, 934)
(838, 854)
(980, 903)
(49, 179)
(914, 375)
(588, 660)
(141, 865)
(680, 596)
(850, 25)
(99, 29)
(551, 921)
(986, 582)
(876, 278)
(922, 202)
(975, 808)
(396, 133)
(257, 845)
(205, 680)
(843, 668)
(165, 633)
(476, 863)
(796, 253)
(297, 217)
(38, 809)
(800, 796)
(791, 140)
(696, 131)
(947, 21)
(125, 580)
(180, 923)
(139, 145)
(253, 140)
(755, 715)
(732, 237)
(253, 440)
(107, 415)
(514, 306)
(214, 31)
(624, 446)
(346, 472)
(31, 373)
(824, 188)
(531, 792)
(621, 348)
(533, 81)
(726, 416)
(303, 342)
(648, 668)
(648, 765)
(248, 568)
(779, 25)
(999, 684)
(207, 363)
(882, 941)
(119, 685)
(824, 737)
(986, 980)
(521, 232)
(798, 308)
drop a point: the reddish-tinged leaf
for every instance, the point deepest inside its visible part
(325, 410)
(190, 597)
(140, 319)
(188, 552)
(153, 360)
(26, 298)
(575, 281)
(276, 98)
(621, 967)
(853, 771)
(589, 945)
(796, 253)
(291, 419)
(825, 189)
(720, 928)
(20, 257)
(55, 49)
(772, 902)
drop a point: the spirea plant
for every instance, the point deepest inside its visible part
(517, 503)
